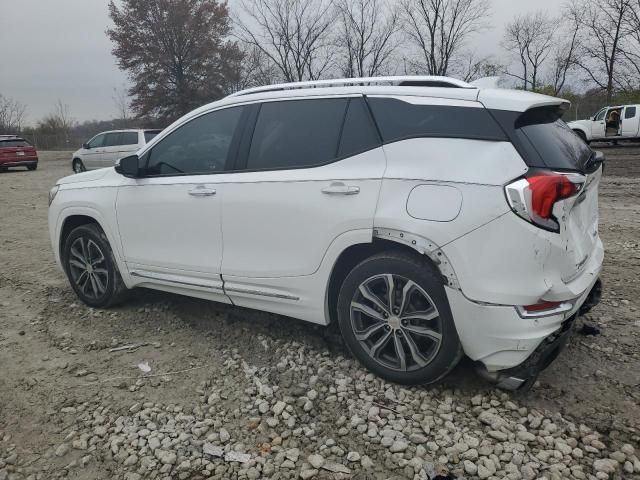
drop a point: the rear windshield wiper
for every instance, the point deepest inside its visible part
(595, 160)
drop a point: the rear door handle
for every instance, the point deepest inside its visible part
(202, 191)
(339, 188)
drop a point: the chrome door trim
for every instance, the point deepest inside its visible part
(261, 294)
(163, 278)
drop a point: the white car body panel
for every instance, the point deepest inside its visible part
(267, 205)
(169, 234)
(270, 239)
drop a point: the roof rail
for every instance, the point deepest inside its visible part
(406, 81)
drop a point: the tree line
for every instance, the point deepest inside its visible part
(180, 54)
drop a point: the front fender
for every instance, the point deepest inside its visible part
(57, 220)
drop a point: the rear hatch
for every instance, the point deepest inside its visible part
(555, 154)
(16, 150)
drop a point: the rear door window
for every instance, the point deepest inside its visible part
(630, 112)
(149, 134)
(296, 133)
(129, 138)
(358, 132)
(112, 139)
(398, 120)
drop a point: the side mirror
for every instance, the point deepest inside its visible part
(128, 166)
(86, 146)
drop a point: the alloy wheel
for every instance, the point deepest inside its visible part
(396, 322)
(88, 267)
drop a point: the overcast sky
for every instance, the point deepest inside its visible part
(57, 49)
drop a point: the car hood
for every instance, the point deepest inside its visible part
(91, 176)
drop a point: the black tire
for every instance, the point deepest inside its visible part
(99, 290)
(32, 167)
(434, 362)
(77, 166)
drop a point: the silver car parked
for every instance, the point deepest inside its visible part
(106, 148)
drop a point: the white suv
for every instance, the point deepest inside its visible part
(427, 217)
(106, 148)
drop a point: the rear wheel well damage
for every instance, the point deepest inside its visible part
(385, 240)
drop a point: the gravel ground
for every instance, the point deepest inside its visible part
(233, 393)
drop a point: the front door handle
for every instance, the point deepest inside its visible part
(202, 191)
(339, 188)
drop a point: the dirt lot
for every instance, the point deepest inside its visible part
(261, 396)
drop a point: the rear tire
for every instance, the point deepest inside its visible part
(409, 340)
(32, 167)
(91, 267)
(78, 166)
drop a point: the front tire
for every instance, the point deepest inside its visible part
(32, 167)
(91, 267)
(395, 318)
(78, 166)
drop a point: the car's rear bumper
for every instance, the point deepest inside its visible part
(27, 162)
(500, 339)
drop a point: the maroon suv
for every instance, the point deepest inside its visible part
(17, 152)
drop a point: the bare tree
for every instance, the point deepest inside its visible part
(566, 52)
(294, 35)
(366, 37)
(603, 23)
(630, 49)
(470, 67)
(254, 69)
(12, 115)
(439, 29)
(121, 103)
(530, 37)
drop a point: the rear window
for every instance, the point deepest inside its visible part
(129, 138)
(14, 143)
(149, 134)
(296, 133)
(544, 140)
(398, 120)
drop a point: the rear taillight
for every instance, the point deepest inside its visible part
(534, 197)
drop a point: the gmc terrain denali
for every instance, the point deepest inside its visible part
(429, 218)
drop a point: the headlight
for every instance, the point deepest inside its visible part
(52, 193)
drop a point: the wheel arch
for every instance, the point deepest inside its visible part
(384, 240)
(73, 217)
(581, 132)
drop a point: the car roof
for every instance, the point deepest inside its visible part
(424, 86)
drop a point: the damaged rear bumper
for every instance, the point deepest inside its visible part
(508, 348)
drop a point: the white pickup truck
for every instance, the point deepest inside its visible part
(610, 123)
